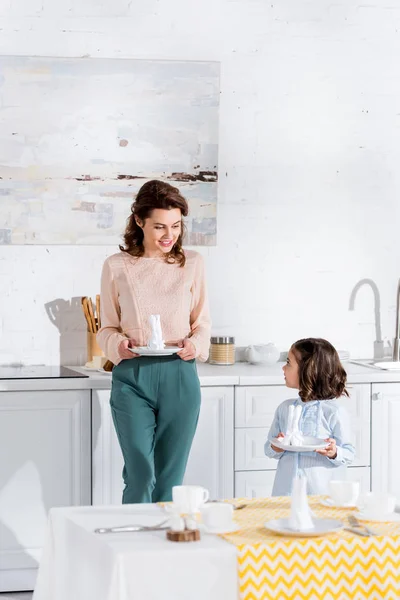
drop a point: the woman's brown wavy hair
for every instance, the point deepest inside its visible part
(321, 375)
(154, 194)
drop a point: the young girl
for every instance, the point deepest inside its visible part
(313, 367)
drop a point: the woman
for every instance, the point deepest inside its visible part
(155, 401)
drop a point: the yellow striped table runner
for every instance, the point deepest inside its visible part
(340, 566)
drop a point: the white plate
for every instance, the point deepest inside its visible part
(332, 504)
(321, 527)
(390, 366)
(366, 516)
(232, 529)
(311, 444)
(144, 351)
(104, 372)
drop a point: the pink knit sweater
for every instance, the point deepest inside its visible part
(132, 289)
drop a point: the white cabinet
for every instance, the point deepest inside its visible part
(45, 462)
(210, 462)
(254, 411)
(211, 458)
(258, 484)
(362, 475)
(359, 408)
(254, 484)
(385, 434)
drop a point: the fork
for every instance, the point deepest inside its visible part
(133, 528)
(354, 522)
(235, 506)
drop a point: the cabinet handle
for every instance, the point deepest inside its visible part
(376, 397)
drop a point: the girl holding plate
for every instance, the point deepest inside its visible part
(313, 367)
(155, 400)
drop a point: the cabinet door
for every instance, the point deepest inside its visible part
(255, 405)
(258, 484)
(210, 462)
(107, 461)
(359, 408)
(362, 475)
(254, 484)
(255, 408)
(249, 450)
(385, 433)
(45, 449)
(211, 458)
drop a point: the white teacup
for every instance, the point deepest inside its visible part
(217, 516)
(344, 492)
(377, 503)
(189, 498)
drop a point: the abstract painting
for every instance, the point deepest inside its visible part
(79, 136)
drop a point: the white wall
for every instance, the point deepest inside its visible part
(309, 165)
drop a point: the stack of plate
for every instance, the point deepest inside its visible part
(344, 355)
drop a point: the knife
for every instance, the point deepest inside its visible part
(357, 531)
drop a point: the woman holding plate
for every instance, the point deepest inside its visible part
(155, 400)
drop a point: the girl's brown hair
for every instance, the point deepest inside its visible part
(321, 375)
(154, 194)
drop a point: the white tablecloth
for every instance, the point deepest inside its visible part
(78, 564)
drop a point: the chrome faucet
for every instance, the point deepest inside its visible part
(378, 343)
(396, 341)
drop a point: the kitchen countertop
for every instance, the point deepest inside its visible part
(210, 375)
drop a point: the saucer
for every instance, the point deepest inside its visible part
(310, 445)
(232, 529)
(332, 504)
(144, 351)
(321, 527)
(369, 516)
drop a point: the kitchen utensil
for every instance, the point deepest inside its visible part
(91, 314)
(98, 311)
(133, 528)
(354, 522)
(85, 309)
(357, 531)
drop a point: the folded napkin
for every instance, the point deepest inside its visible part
(300, 514)
(293, 436)
(156, 342)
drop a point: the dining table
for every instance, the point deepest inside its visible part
(250, 563)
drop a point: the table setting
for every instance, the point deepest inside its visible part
(319, 547)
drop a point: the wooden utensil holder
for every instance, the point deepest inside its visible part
(93, 349)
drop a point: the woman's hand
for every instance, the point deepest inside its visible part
(188, 351)
(123, 348)
(330, 450)
(278, 437)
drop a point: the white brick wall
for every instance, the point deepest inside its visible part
(309, 165)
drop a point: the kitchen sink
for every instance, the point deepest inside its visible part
(380, 364)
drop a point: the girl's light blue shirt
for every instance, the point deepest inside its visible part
(322, 419)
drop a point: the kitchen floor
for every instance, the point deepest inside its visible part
(16, 596)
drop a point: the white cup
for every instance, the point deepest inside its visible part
(189, 498)
(217, 516)
(344, 492)
(377, 503)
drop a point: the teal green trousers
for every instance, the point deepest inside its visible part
(155, 404)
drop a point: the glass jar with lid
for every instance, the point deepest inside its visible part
(222, 350)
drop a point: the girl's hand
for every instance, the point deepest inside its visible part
(330, 450)
(278, 437)
(188, 351)
(123, 348)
